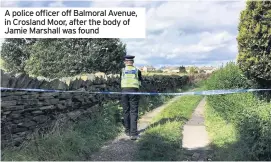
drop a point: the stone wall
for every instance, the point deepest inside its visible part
(25, 112)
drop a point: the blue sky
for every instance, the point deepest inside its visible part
(201, 33)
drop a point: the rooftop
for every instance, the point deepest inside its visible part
(207, 68)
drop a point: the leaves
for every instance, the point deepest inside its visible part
(182, 69)
(254, 42)
(54, 58)
(15, 52)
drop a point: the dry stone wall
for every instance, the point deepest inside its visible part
(24, 112)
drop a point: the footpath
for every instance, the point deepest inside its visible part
(195, 138)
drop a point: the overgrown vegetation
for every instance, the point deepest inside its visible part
(239, 124)
(69, 141)
(226, 78)
(254, 42)
(148, 103)
(162, 140)
(78, 140)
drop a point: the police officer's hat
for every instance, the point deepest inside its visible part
(129, 58)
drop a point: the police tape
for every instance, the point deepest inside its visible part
(208, 92)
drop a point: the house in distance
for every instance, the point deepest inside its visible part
(147, 69)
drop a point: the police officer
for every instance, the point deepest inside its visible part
(130, 82)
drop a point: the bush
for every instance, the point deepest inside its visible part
(182, 69)
(229, 77)
(56, 58)
(251, 119)
(254, 42)
(198, 79)
(193, 70)
(249, 115)
(15, 52)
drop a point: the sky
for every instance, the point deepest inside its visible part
(184, 32)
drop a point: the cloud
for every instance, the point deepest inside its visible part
(177, 32)
(121, 3)
(199, 15)
(168, 46)
(57, 3)
(8, 3)
(115, 3)
(189, 32)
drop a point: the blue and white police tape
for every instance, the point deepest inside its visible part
(209, 92)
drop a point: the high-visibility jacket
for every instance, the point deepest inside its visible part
(129, 78)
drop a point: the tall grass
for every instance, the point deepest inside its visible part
(239, 124)
(69, 141)
(78, 140)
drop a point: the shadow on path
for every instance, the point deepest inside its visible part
(162, 122)
(122, 148)
(155, 147)
(165, 144)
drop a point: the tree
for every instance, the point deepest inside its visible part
(182, 69)
(159, 71)
(15, 52)
(202, 71)
(193, 70)
(254, 42)
(63, 57)
(108, 55)
(68, 57)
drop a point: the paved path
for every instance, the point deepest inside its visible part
(122, 148)
(195, 136)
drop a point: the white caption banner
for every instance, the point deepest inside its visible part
(73, 23)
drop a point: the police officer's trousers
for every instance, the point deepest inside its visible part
(130, 113)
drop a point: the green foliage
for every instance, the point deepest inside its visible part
(162, 140)
(148, 103)
(158, 71)
(2, 64)
(15, 52)
(229, 77)
(202, 71)
(77, 141)
(249, 133)
(254, 42)
(70, 141)
(182, 69)
(193, 70)
(55, 58)
(250, 120)
(198, 80)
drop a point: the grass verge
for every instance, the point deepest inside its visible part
(222, 134)
(76, 141)
(163, 140)
(239, 124)
(69, 142)
(148, 103)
